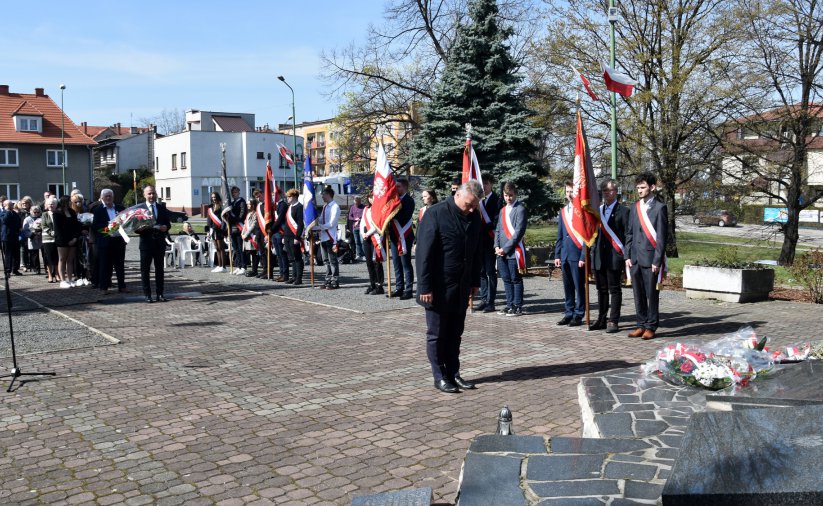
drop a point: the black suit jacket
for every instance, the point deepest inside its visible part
(297, 215)
(493, 208)
(153, 239)
(101, 221)
(448, 256)
(639, 248)
(604, 255)
(279, 225)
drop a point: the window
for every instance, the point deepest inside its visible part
(168, 193)
(156, 164)
(260, 155)
(27, 124)
(182, 160)
(57, 189)
(8, 157)
(56, 158)
(334, 154)
(174, 161)
(11, 191)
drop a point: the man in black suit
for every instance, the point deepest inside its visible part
(448, 268)
(608, 258)
(293, 236)
(153, 245)
(111, 250)
(646, 250)
(235, 214)
(10, 227)
(278, 230)
(488, 270)
(401, 232)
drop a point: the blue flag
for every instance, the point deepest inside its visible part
(307, 198)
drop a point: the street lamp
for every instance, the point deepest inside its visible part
(293, 128)
(63, 138)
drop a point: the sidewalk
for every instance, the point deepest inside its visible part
(250, 392)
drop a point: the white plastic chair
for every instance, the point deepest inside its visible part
(170, 255)
(183, 250)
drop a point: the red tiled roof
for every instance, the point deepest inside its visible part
(232, 124)
(93, 131)
(12, 103)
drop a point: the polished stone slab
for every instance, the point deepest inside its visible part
(414, 497)
(508, 444)
(491, 480)
(752, 457)
(794, 385)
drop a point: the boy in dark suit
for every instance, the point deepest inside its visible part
(608, 258)
(569, 254)
(646, 250)
(153, 245)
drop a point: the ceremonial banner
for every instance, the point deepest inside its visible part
(585, 199)
(307, 198)
(285, 153)
(386, 201)
(267, 204)
(471, 170)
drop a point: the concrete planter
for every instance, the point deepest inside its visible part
(729, 285)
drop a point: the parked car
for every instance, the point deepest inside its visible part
(717, 217)
(683, 209)
(177, 216)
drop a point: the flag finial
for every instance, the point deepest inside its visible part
(468, 130)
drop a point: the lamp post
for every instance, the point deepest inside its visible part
(63, 139)
(293, 128)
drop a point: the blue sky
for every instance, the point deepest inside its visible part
(137, 58)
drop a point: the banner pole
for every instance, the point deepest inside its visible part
(388, 266)
(311, 258)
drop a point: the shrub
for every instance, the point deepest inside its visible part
(808, 270)
(728, 258)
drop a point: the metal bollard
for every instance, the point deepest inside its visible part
(504, 422)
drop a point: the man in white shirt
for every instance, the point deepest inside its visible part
(327, 225)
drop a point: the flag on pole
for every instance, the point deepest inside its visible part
(585, 199)
(224, 179)
(268, 205)
(618, 82)
(586, 83)
(386, 200)
(285, 153)
(307, 198)
(471, 170)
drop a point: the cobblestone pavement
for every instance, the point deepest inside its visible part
(244, 393)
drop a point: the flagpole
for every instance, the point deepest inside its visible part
(586, 281)
(311, 257)
(388, 266)
(612, 21)
(227, 201)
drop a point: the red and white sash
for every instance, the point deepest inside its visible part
(567, 221)
(367, 224)
(402, 232)
(519, 248)
(261, 218)
(421, 213)
(292, 223)
(250, 238)
(215, 219)
(616, 243)
(651, 235)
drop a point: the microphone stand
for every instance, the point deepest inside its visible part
(15, 371)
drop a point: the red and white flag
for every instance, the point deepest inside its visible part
(618, 82)
(471, 170)
(586, 84)
(285, 153)
(585, 199)
(267, 206)
(386, 200)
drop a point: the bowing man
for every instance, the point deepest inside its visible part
(153, 246)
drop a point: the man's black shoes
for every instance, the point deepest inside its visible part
(576, 322)
(406, 296)
(489, 309)
(149, 300)
(160, 298)
(565, 321)
(465, 385)
(598, 325)
(446, 386)
(378, 291)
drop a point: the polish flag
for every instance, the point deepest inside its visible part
(386, 200)
(617, 82)
(586, 84)
(285, 153)
(585, 199)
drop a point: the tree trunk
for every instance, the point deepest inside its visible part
(790, 237)
(671, 238)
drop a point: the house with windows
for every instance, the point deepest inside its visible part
(187, 165)
(121, 149)
(757, 149)
(31, 156)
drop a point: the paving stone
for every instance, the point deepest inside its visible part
(491, 480)
(614, 424)
(414, 497)
(576, 488)
(590, 445)
(510, 444)
(622, 470)
(642, 490)
(644, 428)
(573, 501)
(564, 467)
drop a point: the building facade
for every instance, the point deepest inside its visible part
(31, 158)
(188, 164)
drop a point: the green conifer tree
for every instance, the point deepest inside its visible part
(479, 86)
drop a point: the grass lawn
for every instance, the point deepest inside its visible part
(693, 246)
